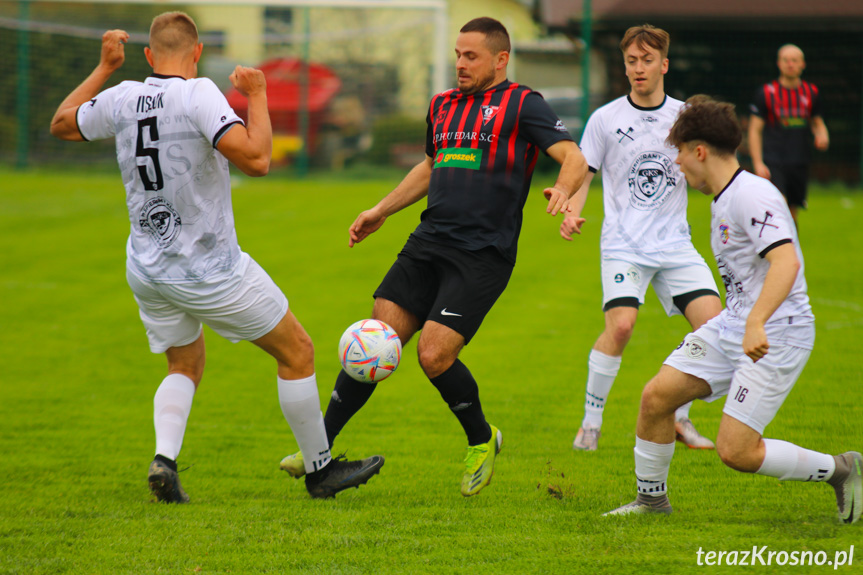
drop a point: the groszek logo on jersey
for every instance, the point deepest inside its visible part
(488, 112)
(161, 221)
(651, 180)
(469, 158)
(793, 122)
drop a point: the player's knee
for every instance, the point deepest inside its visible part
(433, 360)
(303, 352)
(621, 330)
(655, 401)
(296, 358)
(650, 401)
(736, 456)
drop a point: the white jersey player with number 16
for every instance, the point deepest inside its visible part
(175, 136)
(753, 352)
(645, 236)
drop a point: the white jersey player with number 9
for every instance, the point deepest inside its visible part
(645, 236)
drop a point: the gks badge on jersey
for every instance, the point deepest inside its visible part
(160, 219)
(469, 158)
(651, 180)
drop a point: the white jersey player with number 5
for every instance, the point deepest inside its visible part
(645, 236)
(179, 200)
(753, 352)
(175, 136)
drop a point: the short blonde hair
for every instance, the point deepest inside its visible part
(647, 35)
(173, 32)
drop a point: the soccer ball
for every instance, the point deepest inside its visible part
(370, 351)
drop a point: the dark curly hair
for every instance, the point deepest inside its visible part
(707, 120)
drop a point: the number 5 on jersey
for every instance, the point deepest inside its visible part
(143, 153)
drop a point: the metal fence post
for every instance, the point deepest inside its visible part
(586, 36)
(23, 94)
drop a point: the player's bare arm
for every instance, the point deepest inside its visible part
(64, 124)
(251, 147)
(822, 137)
(756, 143)
(573, 168)
(572, 220)
(780, 278)
(413, 187)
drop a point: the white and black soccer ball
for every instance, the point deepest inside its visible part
(370, 351)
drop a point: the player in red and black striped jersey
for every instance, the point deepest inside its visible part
(482, 144)
(785, 112)
(484, 147)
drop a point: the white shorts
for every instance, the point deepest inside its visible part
(242, 307)
(754, 390)
(672, 273)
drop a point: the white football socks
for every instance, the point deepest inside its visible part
(171, 406)
(789, 462)
(601, 371)
(682, 412)
(302, 408)
(652, 461)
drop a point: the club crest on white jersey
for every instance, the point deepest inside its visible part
(644, 192)
(178, 186)
(651, 180)
(724, 231)
(161, 221)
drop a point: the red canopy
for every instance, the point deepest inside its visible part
(285, 77)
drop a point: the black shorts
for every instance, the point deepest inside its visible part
(452, 286)
(792, 181)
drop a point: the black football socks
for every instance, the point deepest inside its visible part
(349, 396)
(459, 390)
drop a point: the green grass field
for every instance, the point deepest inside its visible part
(77, 383)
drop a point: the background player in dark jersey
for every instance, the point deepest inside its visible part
(482, 143)
(784, 112)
